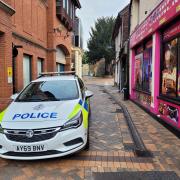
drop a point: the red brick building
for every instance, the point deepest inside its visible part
(35, 36)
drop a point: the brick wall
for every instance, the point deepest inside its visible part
(125, 17)
(5, 57)
(58, 35)
(30, 32)
(34, 27)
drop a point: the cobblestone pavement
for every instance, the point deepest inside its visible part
(110, 143)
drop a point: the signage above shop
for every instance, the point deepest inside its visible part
(172, 31)
(163, 13)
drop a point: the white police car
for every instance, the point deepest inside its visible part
(49, 118)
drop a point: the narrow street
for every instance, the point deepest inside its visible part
(110, 144)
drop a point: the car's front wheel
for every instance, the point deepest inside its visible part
(87, 143)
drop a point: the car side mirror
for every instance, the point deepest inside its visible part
(88, 94)
(14, 96)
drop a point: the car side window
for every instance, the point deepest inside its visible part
(82, 87)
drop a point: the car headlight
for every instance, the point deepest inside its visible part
(1, 130)
(75, 122)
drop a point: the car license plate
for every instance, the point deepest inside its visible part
(28, 148)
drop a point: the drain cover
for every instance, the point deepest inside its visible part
(128, 146)
(152, 175)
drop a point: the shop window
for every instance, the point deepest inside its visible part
(147, 70)
(170, 62)
(170, 85)
(138, 71)
(143, 67)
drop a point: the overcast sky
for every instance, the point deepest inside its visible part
(92, 9)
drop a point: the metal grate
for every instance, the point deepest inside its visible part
(39, 135)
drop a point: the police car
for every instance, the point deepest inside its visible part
(48, 118)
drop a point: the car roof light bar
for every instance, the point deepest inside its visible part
(57, 73)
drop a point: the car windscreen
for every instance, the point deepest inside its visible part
(49, 91)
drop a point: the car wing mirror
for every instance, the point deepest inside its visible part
(14, 96)
(88, 94)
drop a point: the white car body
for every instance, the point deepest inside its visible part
(43, 121)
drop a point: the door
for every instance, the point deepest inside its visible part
(26, 70)
(39, 66)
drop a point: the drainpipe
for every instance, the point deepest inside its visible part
(119, 74)
(14, 55)
(128, 51)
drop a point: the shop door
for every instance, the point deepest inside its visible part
(26, 70)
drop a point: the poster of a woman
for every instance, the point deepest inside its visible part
(169, 72)
(138, 71)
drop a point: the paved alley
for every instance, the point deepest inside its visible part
(110, 144)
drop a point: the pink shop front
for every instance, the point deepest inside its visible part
(155, 63)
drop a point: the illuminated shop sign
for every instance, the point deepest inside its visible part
(164, 12)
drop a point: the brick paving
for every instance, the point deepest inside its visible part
(164, 145)
(110, 144)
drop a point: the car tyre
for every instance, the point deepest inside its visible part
(89, 112)
(87, 143)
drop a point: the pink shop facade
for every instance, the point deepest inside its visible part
(155, 63)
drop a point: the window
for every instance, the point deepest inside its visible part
(143, 67)
(60, 67)
(26, 70)
(50, 91)
(147, 69)
(39, 66)
(170, 69)
(170, 62)
(138, 71)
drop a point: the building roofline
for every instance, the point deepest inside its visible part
(118, 21)
(125, 8)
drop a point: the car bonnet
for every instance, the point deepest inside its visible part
(35, 115)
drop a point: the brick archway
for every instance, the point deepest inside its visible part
(63, 59)
(64, 49)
